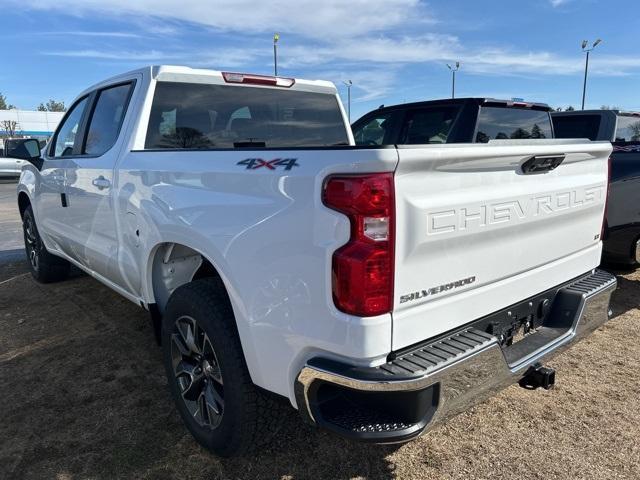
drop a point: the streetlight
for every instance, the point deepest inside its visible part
(586, 65)
(348, 83)
(276, 37)
(453, 79)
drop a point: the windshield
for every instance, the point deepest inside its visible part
(200, 116)
(512, 123)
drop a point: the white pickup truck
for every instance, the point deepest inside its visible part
(380, 290)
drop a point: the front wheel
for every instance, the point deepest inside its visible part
(208, 377)
(44, 266)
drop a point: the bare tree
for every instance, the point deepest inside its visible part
(10, 127)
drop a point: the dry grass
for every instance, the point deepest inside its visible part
(84, 396)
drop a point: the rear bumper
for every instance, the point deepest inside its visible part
(429, 384)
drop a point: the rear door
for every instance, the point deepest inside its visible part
(90, 181)
(476, 234)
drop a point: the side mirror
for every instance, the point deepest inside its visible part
(26, 149)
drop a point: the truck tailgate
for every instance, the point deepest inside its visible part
(475, 234)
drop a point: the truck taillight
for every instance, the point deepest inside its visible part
(603, 230)
(362, 270)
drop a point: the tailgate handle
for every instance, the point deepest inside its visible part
(541, 164)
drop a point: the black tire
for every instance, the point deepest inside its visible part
(247, 416)
(44, 267)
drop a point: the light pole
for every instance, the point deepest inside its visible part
(453, 79)
(276, 37)
(348, 83)
(586, 65)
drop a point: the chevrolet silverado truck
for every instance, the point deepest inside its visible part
(621, 241)
(377, 290)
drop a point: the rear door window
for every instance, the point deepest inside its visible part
(628, 129)
(197, 116)
(107, 117)
(428, 125)
(512, 123)
(576, 126)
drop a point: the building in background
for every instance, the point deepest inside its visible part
(32, 124)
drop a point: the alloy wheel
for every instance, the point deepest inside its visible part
(32, 242)
(197, 372)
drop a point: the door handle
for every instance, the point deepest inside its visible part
(101, 183)
(541, 164)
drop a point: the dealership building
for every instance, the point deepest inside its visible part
(40, 125)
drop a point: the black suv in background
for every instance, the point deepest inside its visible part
(460, 120)
(622, 223)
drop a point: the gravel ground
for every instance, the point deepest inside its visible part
(84, 396)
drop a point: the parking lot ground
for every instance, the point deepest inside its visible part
(11, 242)
(83, 395)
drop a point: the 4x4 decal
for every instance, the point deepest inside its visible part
(255, 163)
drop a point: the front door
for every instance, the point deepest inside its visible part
(50, 200)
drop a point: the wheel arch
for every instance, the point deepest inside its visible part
(23, 202)
(190, 264)
(173, 264)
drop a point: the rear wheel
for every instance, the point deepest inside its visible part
(208, 377)
(44, 266)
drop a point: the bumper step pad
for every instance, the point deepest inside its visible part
(437, 355)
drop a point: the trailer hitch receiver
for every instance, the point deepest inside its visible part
(539, 376)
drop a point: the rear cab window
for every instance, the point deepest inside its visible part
(628, 128)
(209, 116)
(501, 123)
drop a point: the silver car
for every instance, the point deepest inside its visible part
(9, 166)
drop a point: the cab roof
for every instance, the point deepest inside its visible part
(184, 74)
(480, 101)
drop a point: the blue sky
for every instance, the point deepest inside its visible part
(393, 50)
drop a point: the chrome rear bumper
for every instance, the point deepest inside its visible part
(450, 375)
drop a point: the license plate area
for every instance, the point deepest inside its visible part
(527, 326)
(519, 330)
(515, 323)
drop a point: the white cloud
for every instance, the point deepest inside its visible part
(228, 57)
(82, 33)
(365, 40)
(309, 18)
(145, 56)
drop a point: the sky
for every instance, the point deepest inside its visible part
(394, 51)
